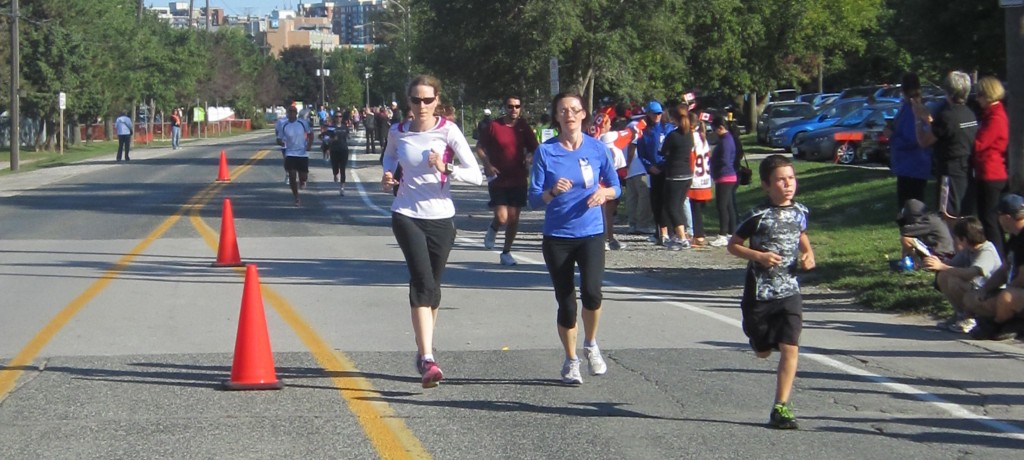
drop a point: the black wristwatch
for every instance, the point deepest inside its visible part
(449, 168)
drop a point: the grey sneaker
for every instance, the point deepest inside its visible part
(594, 360)
(676, 244)
(963, 326)
(571, 372)
(506, 259)
(489, 237)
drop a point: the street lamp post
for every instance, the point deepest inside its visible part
(323, 90)
(15, 113)
(367, 74)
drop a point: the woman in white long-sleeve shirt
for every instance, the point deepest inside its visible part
(422, 215)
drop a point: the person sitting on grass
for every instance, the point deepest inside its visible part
(923, 233)
(975, 260)
(997, 308)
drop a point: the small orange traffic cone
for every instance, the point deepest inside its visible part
(253, 366)
(227, 252)
(223, 175)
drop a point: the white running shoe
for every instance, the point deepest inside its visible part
(489, 237)
(594, 360)
(506, 259)
(571, 372)
(719, 241)
(965, 325)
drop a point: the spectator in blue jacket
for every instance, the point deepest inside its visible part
(572, 177)
(911, 163)
(648, 148)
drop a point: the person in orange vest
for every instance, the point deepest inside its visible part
(175, 129)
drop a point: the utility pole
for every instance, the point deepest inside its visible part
(207, 15)
(323, 90)
(15, 91)
(1014, 10)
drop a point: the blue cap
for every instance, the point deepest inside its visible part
(1011, 204)
(654, 107)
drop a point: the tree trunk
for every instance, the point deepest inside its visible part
(752, 112)
(151, 119)
(76, 131)
(588, 91)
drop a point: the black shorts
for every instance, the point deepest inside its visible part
(767, 323)
(506, 196)
(300, 164)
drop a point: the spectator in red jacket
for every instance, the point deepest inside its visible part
(990, 156)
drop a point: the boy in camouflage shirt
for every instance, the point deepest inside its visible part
(772, 306)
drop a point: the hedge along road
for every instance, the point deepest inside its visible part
(132, 375)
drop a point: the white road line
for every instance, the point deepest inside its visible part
(953, 409)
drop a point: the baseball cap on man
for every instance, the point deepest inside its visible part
(487, 111)
(1012, 204)
(654, 107)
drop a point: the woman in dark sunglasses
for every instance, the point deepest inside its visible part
(422, 215)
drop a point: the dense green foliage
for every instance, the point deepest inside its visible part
(107, 59)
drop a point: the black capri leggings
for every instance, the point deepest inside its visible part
(672, 205)
(657, 198)
(561, 255)
(725, 200)
(339, 162)
(426, 244)
(697, 211)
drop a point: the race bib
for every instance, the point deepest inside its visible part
(588, 173)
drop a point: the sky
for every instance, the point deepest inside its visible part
(257, 7)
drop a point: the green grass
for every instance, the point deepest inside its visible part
(854, 234)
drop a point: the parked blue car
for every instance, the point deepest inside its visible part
(787, 134)
(855, 137)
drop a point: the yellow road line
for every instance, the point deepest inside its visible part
(385, 430)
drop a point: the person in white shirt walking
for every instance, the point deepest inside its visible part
(123, 125)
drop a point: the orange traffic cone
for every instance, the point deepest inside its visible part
(223, 175)
(253, 366)
(227, 252)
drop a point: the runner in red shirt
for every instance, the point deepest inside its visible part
(504, 148)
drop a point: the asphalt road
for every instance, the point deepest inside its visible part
(115, 334)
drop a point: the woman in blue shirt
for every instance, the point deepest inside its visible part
(573, 176)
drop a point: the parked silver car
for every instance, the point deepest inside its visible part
(778, 113)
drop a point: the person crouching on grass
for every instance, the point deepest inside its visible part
(772, 306)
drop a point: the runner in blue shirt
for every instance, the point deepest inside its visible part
(573, 176)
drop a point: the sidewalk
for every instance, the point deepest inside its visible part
(16, 183)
